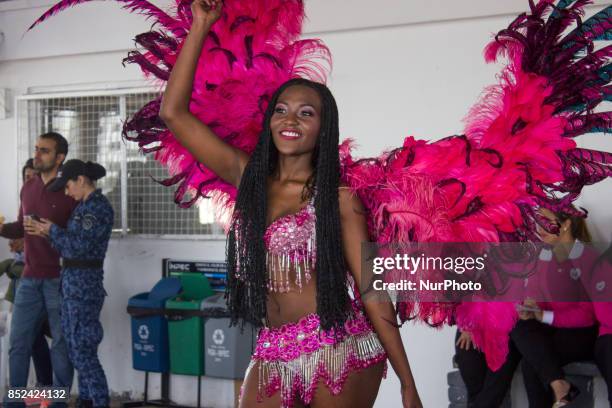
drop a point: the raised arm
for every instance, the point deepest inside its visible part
(225, 160)
(379, 309)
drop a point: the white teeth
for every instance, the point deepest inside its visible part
(288, 133)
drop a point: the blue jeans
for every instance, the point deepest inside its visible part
(33, 298)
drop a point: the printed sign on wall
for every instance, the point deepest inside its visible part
(215, 271)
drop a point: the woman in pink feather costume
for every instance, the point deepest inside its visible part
(316, 346)
(515, 155)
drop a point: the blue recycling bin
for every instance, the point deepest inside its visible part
(150, 327)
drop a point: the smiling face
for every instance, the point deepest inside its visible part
(296, 120)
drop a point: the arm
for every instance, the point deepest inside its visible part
(380, 310)
(13, 230)
(571, 315)
(223, 159)
(15, 270)
(77, 240)
(562, 314)
(5, 265)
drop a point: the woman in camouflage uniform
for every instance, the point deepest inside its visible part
(83, 246)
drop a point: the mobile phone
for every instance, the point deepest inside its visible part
(523, 308)
(33, 217)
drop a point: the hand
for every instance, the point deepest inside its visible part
(206, 12)
(524, 315)
(39, 228)
(534, 313)
(465, 341)
(16, 245)
(410, 397)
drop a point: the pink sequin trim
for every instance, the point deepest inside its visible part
(293, 358)
(289, 341)
(292, 233)
(353, 363)
(291, 250)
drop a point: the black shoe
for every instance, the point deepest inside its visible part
(571, 395)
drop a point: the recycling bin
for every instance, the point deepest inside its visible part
(185, 327)
(149, 326)
(227, 350)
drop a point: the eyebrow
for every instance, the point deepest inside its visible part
(301, 106)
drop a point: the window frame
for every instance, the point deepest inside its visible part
(24, 149)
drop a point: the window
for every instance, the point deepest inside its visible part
(92, 123)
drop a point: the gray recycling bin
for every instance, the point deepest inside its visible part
(227, 350)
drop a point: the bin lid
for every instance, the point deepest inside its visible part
(195, 286)
(214, 302)
(215, 306)
(183, 304)
(166, 288)
(142, 300)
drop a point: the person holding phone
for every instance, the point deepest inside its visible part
(563, 328)
(83, 244)
(13, 268)
(37, 294)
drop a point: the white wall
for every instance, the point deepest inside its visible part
(400, 68)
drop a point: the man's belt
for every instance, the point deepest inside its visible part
(83, 263)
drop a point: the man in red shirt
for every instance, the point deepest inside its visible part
(38, 292)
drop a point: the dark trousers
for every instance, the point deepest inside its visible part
(486, 388)
(603, 358)
(84, 332)
(545, 350)
(42, 357)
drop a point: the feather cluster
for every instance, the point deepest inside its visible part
(248, 54)
(515, 155)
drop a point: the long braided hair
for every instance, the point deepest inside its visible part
(246, 252)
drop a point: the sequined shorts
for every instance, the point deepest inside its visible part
(293, 358)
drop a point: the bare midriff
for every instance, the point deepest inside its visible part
(292, 305)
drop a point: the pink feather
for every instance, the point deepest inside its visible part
(483, 186)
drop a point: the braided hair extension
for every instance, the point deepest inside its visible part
(247, 283)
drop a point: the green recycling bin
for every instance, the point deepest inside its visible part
(185, 331)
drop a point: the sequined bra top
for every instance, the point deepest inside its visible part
(291, 249)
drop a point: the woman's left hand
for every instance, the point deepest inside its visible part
(410, 397)
(465, 341)
(536, 313)
(40, 228)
